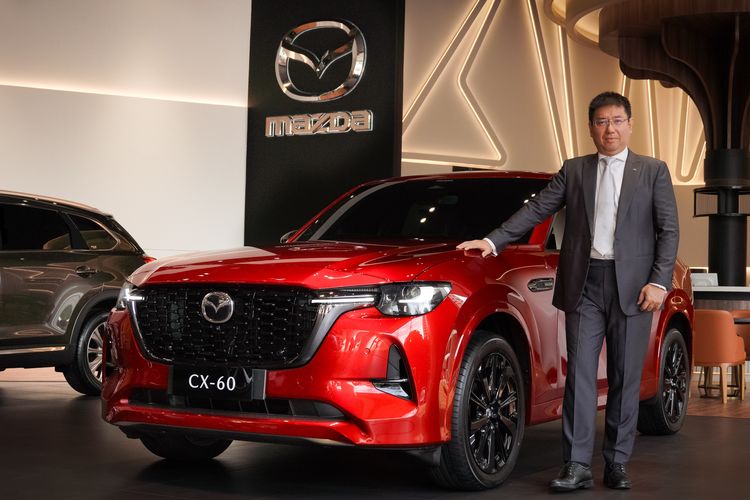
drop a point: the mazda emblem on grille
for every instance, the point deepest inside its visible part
(217, 307)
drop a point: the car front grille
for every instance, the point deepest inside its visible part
(270, 326)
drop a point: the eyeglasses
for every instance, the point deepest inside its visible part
(616, 122)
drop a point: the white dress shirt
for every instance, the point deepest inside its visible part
(617, 164)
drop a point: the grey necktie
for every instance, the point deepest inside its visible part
(606, 210)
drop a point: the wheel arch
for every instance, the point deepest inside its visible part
(680, 321)
(100, 302)
(652, 415)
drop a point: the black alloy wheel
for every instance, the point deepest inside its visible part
(493, 406)
(488, 417)
(674, 389)
(665, 413)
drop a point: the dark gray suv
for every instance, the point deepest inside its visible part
(61, 267)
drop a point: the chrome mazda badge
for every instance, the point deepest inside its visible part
(217, 307)
(291, 50)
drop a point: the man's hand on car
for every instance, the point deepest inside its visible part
(482, 245)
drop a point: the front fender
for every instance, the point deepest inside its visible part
(497, 299)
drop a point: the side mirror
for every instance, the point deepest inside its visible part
(285, 237)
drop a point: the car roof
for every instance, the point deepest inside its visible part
(480, 174)
(469, 174)
(48, 201)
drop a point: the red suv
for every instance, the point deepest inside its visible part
(368, 328)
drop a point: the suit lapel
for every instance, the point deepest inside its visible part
(629, 184)
(589, 189)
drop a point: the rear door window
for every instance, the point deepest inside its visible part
(28, 228)
(93, 234)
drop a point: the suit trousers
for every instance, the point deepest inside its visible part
(599, 316)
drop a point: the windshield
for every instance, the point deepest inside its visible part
(424, 210)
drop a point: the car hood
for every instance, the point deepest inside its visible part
(313, 265)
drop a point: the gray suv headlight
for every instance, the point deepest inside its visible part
(128, 293)
(411, 299)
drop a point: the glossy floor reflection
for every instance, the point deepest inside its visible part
(54, 445)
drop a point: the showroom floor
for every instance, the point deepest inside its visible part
(55, 445)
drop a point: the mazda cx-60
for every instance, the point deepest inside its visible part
(368, 328)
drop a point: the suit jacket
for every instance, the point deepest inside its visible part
(646, 230)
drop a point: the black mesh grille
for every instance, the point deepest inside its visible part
(269, 328)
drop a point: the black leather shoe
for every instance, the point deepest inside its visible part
(616, 477)
(572, 476)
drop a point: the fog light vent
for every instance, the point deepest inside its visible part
(397, 381)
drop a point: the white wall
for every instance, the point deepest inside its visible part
(137, 108)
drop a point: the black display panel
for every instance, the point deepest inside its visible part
(325, 106)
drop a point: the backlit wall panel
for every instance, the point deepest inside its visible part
(496, 84)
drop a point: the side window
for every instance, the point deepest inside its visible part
(95, 236)
(555, 238)
(27, 228)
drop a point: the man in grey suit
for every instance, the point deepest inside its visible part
(616, 262)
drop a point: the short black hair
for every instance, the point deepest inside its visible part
(609, 99)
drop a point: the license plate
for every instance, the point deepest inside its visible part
(219, 383)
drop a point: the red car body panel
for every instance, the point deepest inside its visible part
(355, 349)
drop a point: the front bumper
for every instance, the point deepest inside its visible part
(341, 375)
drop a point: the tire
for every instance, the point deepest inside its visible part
(472, 459)
(85, 373)
(184, 448)
(665, 413)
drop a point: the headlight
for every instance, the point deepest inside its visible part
(397, 299)
(128, 294)
(347, 296)
(411, 299)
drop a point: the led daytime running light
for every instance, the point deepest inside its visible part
(128, 294)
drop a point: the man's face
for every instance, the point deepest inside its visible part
(610, 129)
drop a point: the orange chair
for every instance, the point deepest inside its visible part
(716, 344)
(743, 330)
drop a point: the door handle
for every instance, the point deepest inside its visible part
(541, 284)
(85, 271)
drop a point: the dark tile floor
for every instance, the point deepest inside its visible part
(54, 445)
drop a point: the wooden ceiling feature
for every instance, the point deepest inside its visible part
(701, 46)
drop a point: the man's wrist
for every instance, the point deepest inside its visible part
(657, 285)
(492, 245)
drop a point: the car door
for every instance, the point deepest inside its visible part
(41, 277)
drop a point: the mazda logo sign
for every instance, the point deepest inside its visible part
(217, 307)
(291, 50)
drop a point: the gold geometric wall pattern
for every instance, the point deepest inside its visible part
(456, 61)
(559, 76)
